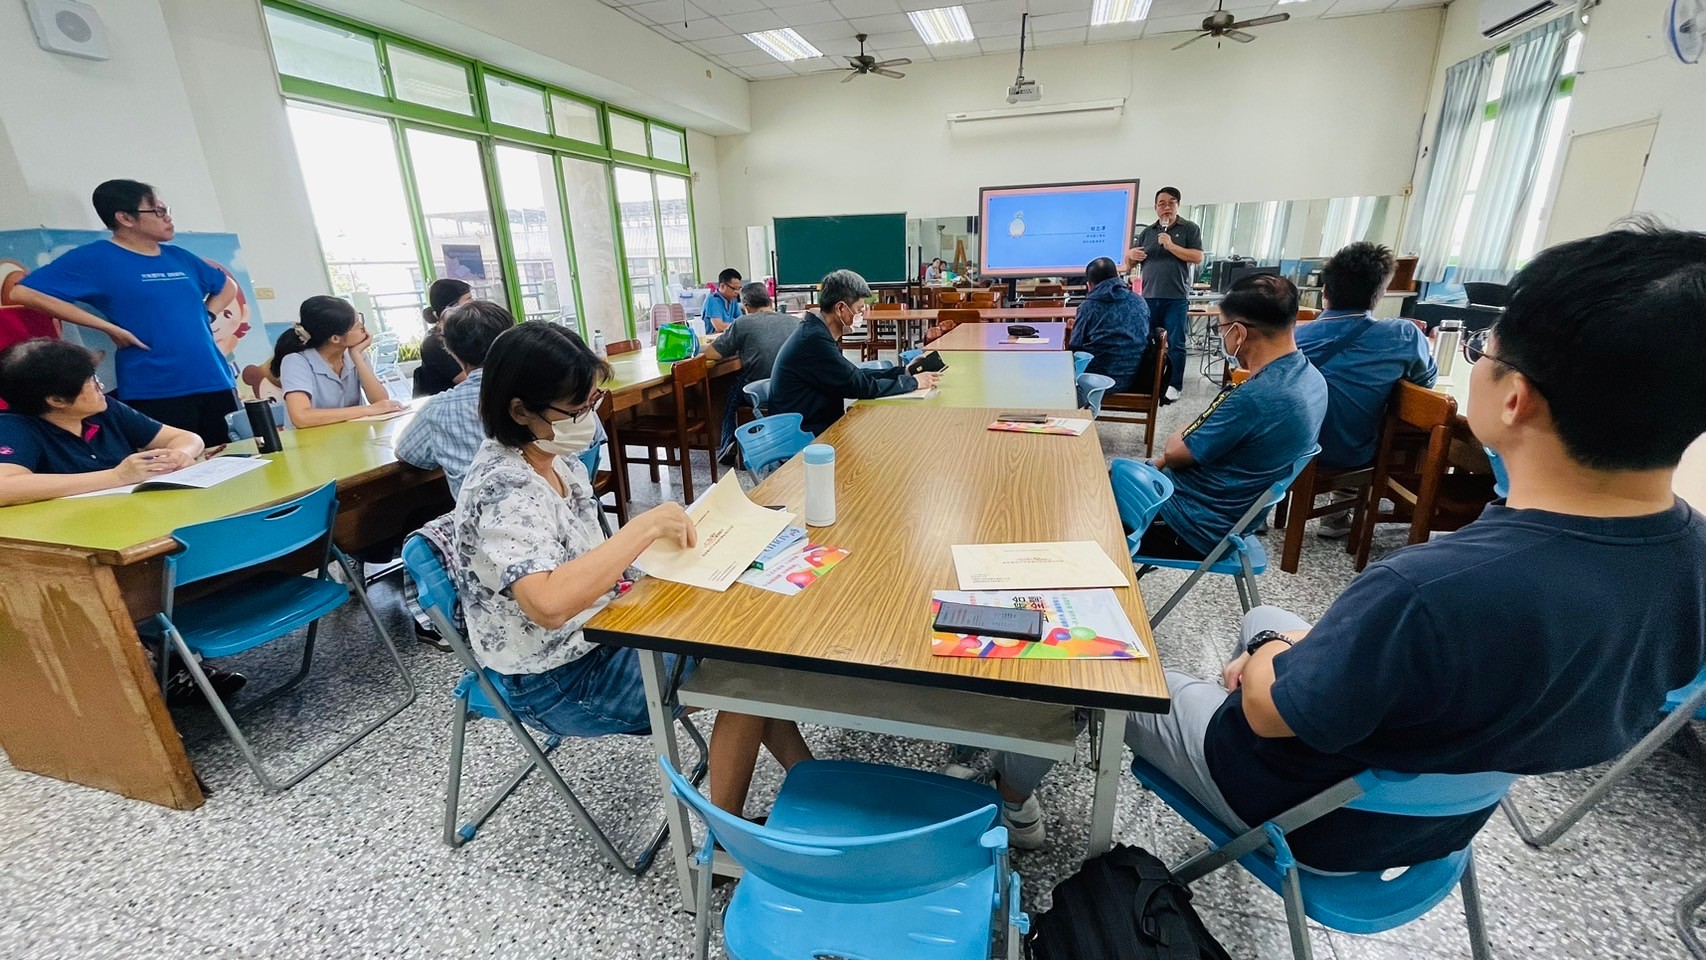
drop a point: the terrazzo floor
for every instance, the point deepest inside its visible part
(350, 862)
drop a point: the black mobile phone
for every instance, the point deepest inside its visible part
(1022, 418)
(931, 362)
(1005, 622)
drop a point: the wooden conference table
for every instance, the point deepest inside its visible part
(637, 377)
(1011, 381)
(993, 337)
(81, 703)
(910, 321)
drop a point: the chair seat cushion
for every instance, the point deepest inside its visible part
(256, 611)
(1227, 564)
(766, 923)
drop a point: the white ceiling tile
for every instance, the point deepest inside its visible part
(818, 65)
(1162, 9)
(809, 13)
(724, 45)
(670, 11)
(1412, 4)
(1059, 21)
(1350, 8)
(753, 22)
(632, 15)
(723, 8)
(994, 11)
(752, 59)
(1182, 24)
(917, 54)
(854, 9)
(784, 4)
(1062, 38)
(889, 41)
(1002, 44)
(954, 51)
(833, 32)
(1116, 31)
(695, 30)
(888, 23)
(767, 71)
(1042, 8)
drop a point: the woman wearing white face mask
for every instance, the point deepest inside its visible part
(532, 564)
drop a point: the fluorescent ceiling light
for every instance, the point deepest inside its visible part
(1105, 12)
(942, 25)
(1284, 2)
(784, 44)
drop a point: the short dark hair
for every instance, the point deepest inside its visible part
(1100, 270)
(755, 296)
(729, 275)
(841, 286)
(33, 371)
(1354, 277)
(119, 196)
(469, 330)
(322, 318)
(1171, 192)
(442, 295)
(1264, 302)
(1632, 300)
(540, 364)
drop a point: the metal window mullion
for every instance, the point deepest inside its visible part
(569, 238)
(501, 236)
(621, 246)
(411, 192)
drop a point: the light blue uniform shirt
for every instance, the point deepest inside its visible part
(1360, 377)
(718, 308)
(307, 372)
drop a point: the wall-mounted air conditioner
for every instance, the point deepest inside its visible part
(1502, 16)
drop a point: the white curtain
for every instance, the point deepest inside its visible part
(1513, 162)
(1460, 119)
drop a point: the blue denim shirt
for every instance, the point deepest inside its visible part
(1112, 325)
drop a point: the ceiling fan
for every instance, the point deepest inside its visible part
(865, 63)
(1222, 24)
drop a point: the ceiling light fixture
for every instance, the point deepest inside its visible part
(1104, 12)
(784, 44)
(942, 25)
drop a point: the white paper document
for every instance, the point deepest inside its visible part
(732, 530)
(198, 477)
(1035, 566)
(914, 395)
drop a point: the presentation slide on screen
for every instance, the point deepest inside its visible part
(1055, 230)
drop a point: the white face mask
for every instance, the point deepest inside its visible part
(570, 437)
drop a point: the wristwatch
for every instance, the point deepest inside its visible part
(1266, 637)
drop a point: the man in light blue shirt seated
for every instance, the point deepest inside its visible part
(1251, 433)
(722, 307)
(1362, 359)
(446, 431)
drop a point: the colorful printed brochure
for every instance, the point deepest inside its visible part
(1077, 625)
(1035, 566)
(1061, 426)
(801, 566)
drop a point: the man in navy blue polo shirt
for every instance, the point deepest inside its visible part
(63, 436)
(155, 298)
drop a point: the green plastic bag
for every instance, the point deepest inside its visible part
(676, 341)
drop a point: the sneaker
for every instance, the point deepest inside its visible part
(726, 455)
(181, 689)
(1335, 526)
(429, 635)
(958, 771)
(1024, 823)
(1171, 395)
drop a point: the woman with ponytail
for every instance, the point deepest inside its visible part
(439, 371)
(321, 362)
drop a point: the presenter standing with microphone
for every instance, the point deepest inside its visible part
(1169, 251)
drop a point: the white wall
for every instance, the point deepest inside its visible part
(1326, 108)
(707, 201)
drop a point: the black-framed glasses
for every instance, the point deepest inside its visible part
(159, 210)
(579, 413)
(1475, 347)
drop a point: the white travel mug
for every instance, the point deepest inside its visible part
(820, 485)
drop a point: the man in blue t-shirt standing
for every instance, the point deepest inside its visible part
(1363, 359)
(155, 298)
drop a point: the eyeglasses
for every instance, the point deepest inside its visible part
(1475, 347)
(99, 386)
(159, 210)
(579, 413)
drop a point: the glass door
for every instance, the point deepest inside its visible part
(638, 210)
(538, 234)
(456, 213)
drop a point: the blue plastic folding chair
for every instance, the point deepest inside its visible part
(877, 365)
(769, 442)
(1501, 479)
(907, 356)
(1139, 489)
(1091, 387)
(1359, 903)
(1081, 362)
(478, 696)
(1681, 705)
(758, 391)
(863, 860)
(262, 608)
(237, 424)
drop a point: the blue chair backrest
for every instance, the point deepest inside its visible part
(253, 538)
(1501, 479)
(771, 440)
(1429, 794)
(870, 869)
(237, 424)
(1139, 490)
(589, 459)
(1081, 362)
(907, 356)
(758, 391)
(1276, 492)
(1092, 386)
(433, 588)
(878, 365)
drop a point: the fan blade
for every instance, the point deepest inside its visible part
(1239, 36)
(1261, 21)
(902, 62)
(850, 75)
(1190, 41)
(888, 73)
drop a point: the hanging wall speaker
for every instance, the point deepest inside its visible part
(68, 27)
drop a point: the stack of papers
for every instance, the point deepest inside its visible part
(1062, 426)
(797, 568)
(1077, 625)
(1035, 566)
(733, 531)
(785, 540)
(198, 477)
(914, 395)
(1025, 340)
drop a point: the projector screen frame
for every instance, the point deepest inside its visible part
(984, 270)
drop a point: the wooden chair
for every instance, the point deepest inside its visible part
(615, 480)
(948, 298)
(670, 439)
(1306, 314)
(949, 319)
(881, 335)
(621, 346)
(987, 299)
(1052, 302)
(1423, 494)
(1140, 408)
(1049, 290)
(1298, 507)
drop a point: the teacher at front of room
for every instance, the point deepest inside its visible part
(156, 298)
(1169, 251)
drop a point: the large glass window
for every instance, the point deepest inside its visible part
(430, 81)
(575, 119)
(634, 203)
(627, 134)
(454, 209)
(361, 212)
(516, 104)
(537, 233)
(324, 53)
(677, 225)
(668, 144)
(588, 186)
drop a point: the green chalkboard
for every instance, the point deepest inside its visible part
(872, 245)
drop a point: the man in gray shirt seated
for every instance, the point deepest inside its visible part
(756, 336)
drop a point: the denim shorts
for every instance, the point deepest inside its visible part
(599, 694)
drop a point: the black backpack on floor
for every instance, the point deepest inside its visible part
(1123, 905)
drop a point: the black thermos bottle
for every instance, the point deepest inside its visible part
(262, 424)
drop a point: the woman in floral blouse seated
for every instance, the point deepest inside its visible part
(532, 565)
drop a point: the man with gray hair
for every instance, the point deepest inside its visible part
(813, 379)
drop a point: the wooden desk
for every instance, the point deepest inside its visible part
(870, 617)
(1005, 314)
(992, 337)
(81, 702)
(637, 377)
(1007, 380)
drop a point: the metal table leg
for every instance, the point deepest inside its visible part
(1107, 741)
(664, 743)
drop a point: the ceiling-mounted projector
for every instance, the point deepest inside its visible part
(1024, 91)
